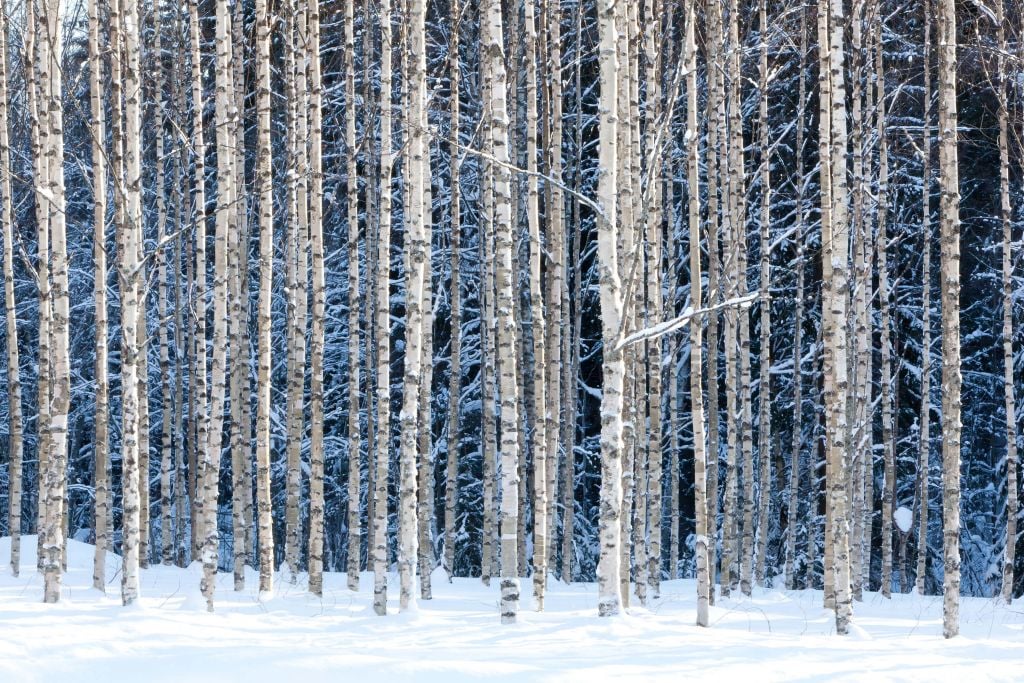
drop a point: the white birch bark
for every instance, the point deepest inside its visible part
(49, 65)
(764, 411)
(837, 251)
(882, 257)
(1009, 397)
(538, 438)
(225, 226)
(131, 309)
(924, 446)
(418, 173)
(608, 568)
(352, 193)
(166, 553)
(556, 283)
(383, 323)
(827, 360)
(317, 332)
(199, 389)
(794, 471)
(297, 254)
(653, 302)
(949, 241)
(264, 189)
(696, 341)
(455, 245)
(16, 442)
(492, 41)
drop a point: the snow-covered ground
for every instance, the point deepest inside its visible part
(775, 635)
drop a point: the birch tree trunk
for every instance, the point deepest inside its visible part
(383, 322)
(16, 443)
(167, 410)
(210, 466)
(924, 447)
(50, 187)
(418, 173)
(715, 134)
(131, 307)
(610, 20)
(451, 491)
(653, 301)
(556, 289)
(199, 393)
(882, 251)
(949, 239)
(492, 40)
(827, 323)
(491, 546)
(794, 471)
(731, 234)
(1008, 389)
(38, 134)
(352, 189)
(696, 300)
(317, 332)
(264, 181)
(764, 411)
(371, 115)
(538, 439)
(299, 227)
(570, 350)
(180, 484)
(836, 363)
(425, 466)
(101, 436)
(856, 326)
(241, 395)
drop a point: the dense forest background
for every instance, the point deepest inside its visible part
(892, 30)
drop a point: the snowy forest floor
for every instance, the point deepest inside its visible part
(774, 635)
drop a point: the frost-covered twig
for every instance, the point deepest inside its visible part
(674, 324)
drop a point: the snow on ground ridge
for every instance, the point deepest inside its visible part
(772, 636)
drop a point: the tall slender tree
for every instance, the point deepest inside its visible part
(610, 16)
(949, 240)
(263, 321)
(696, 341)
(383, 323)
(1009, 397)
(317, 332)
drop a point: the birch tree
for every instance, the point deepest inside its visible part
(696, 341)
(610, 17)
(199, 389)
(131, 302)
(764, 428)
(455, 244)
(298, 226)
(794, 473)
(16, 442)
(225, 225)
(538, 438)
(317, 333)
(949, 240)
(352, 193)
(383, 322)
(924, 446)
(266, 226)
(1009, 396)
(882, 249)
(492, 42)
(417, 236)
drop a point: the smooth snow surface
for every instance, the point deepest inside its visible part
(774, 636)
